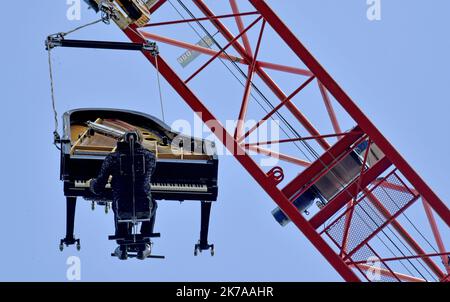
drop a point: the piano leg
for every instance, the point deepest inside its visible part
(204, 228)
(71, 203)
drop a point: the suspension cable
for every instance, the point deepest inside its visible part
(159, 89)
(49, 46)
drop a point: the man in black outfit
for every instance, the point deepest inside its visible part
(131, 188)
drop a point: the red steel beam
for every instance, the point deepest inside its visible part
(185, 45)
(277, 155)
(288, 69)
(198, 19)
(240, 25)
(248, 86)
(346, 102)
(387, 273)
(246, 161)
(290, 140)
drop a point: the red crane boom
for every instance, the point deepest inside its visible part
(362, 229)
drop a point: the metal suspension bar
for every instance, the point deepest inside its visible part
(248, 86)
(157, 5)
(222, 51)
(240, 25)
(99, 44)
(263, 75)
(346, 102)
(291, 210)
(245, 160)
(406, 257)
(278, 107)
(193, 47)
(200, 19)
(288, 69)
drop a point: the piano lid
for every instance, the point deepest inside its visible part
(82, 139)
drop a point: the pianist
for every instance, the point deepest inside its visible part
(120, 188)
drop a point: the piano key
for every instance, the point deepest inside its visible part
(158, 186)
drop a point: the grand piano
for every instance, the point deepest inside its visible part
(186, 167)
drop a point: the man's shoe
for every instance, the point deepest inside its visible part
(121, 253)
(145, 252)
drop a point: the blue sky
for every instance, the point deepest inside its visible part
(396, 70)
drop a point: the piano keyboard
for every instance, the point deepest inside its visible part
(159, 187)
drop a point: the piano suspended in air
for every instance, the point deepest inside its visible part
(186, 167)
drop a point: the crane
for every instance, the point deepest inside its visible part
(363, 188)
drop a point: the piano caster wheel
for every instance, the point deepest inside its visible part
(93, 206)
(212, 250)
(196, 249)
(107, 208)
(78, 245)
(61, 247)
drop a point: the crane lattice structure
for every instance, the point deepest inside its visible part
(364, 229)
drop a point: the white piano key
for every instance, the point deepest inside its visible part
(159, 187)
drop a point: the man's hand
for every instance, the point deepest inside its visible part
(89, 182)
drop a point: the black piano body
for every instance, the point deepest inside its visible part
(186, 167)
